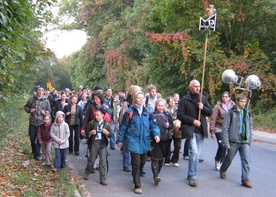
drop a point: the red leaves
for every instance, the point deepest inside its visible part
(168, 37)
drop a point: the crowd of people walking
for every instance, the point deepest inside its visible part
(143, 125)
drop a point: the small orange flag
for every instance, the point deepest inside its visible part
(49, 85)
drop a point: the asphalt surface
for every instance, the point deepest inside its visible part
(120, 182)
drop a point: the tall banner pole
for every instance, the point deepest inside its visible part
(203, 74)
(209, 24)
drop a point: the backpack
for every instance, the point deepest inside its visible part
(160, 120)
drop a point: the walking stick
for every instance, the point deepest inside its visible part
(203, 74)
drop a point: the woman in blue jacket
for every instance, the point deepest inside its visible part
(138, 128)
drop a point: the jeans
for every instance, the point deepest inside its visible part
(195, 146)
(186, 148)
(60, 158)
(113, 137)
(244, 151)
(126, 156)
(33, 138)
(221, 149)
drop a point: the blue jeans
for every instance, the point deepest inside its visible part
(60, 158)
(244, 151)
(33, 138)
(112, 139)
(126, 156)
(195, 146)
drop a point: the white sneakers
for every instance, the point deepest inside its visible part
(217, 165)
(176, 165)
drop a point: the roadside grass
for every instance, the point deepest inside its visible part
(265, 121)
(20, 174)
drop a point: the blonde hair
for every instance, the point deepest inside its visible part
(158, 101)
(132, 90)
(136, 95)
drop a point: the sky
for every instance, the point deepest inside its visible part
(64, 43)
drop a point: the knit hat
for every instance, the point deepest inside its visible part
(40, 86)
(98, 88)
(67, 90)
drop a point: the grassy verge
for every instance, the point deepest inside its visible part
(20, 174)
(265, 121)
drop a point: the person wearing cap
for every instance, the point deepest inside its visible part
(68, 92)
(37, 106)
(98, 132)
(98, 89)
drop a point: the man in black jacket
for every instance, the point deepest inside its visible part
(192, 128)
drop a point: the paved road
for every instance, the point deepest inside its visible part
(174, 181)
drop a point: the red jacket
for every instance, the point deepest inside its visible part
(43, 133)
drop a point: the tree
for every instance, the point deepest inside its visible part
(21, 50)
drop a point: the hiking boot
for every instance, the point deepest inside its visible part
(86, 176)
(157, 180)
(193, 182)
(138, 191)
(247, 184)
(217, 165)
(104, 183)
(222, 175)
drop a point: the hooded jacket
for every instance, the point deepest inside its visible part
(60, 133)
(138, 130)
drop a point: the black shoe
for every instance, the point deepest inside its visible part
(193, 182)
(37, 158)
(127, 169)
(247, 184)
(86, 176)
(103, 183)
(201, 160)
(143, 173)
(70, 152)
(112, 148)
(77, 153)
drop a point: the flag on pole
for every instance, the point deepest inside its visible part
(49, 85)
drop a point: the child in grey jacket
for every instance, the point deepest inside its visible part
(60, 134)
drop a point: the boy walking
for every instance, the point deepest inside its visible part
(98, 132)
(237, 136)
